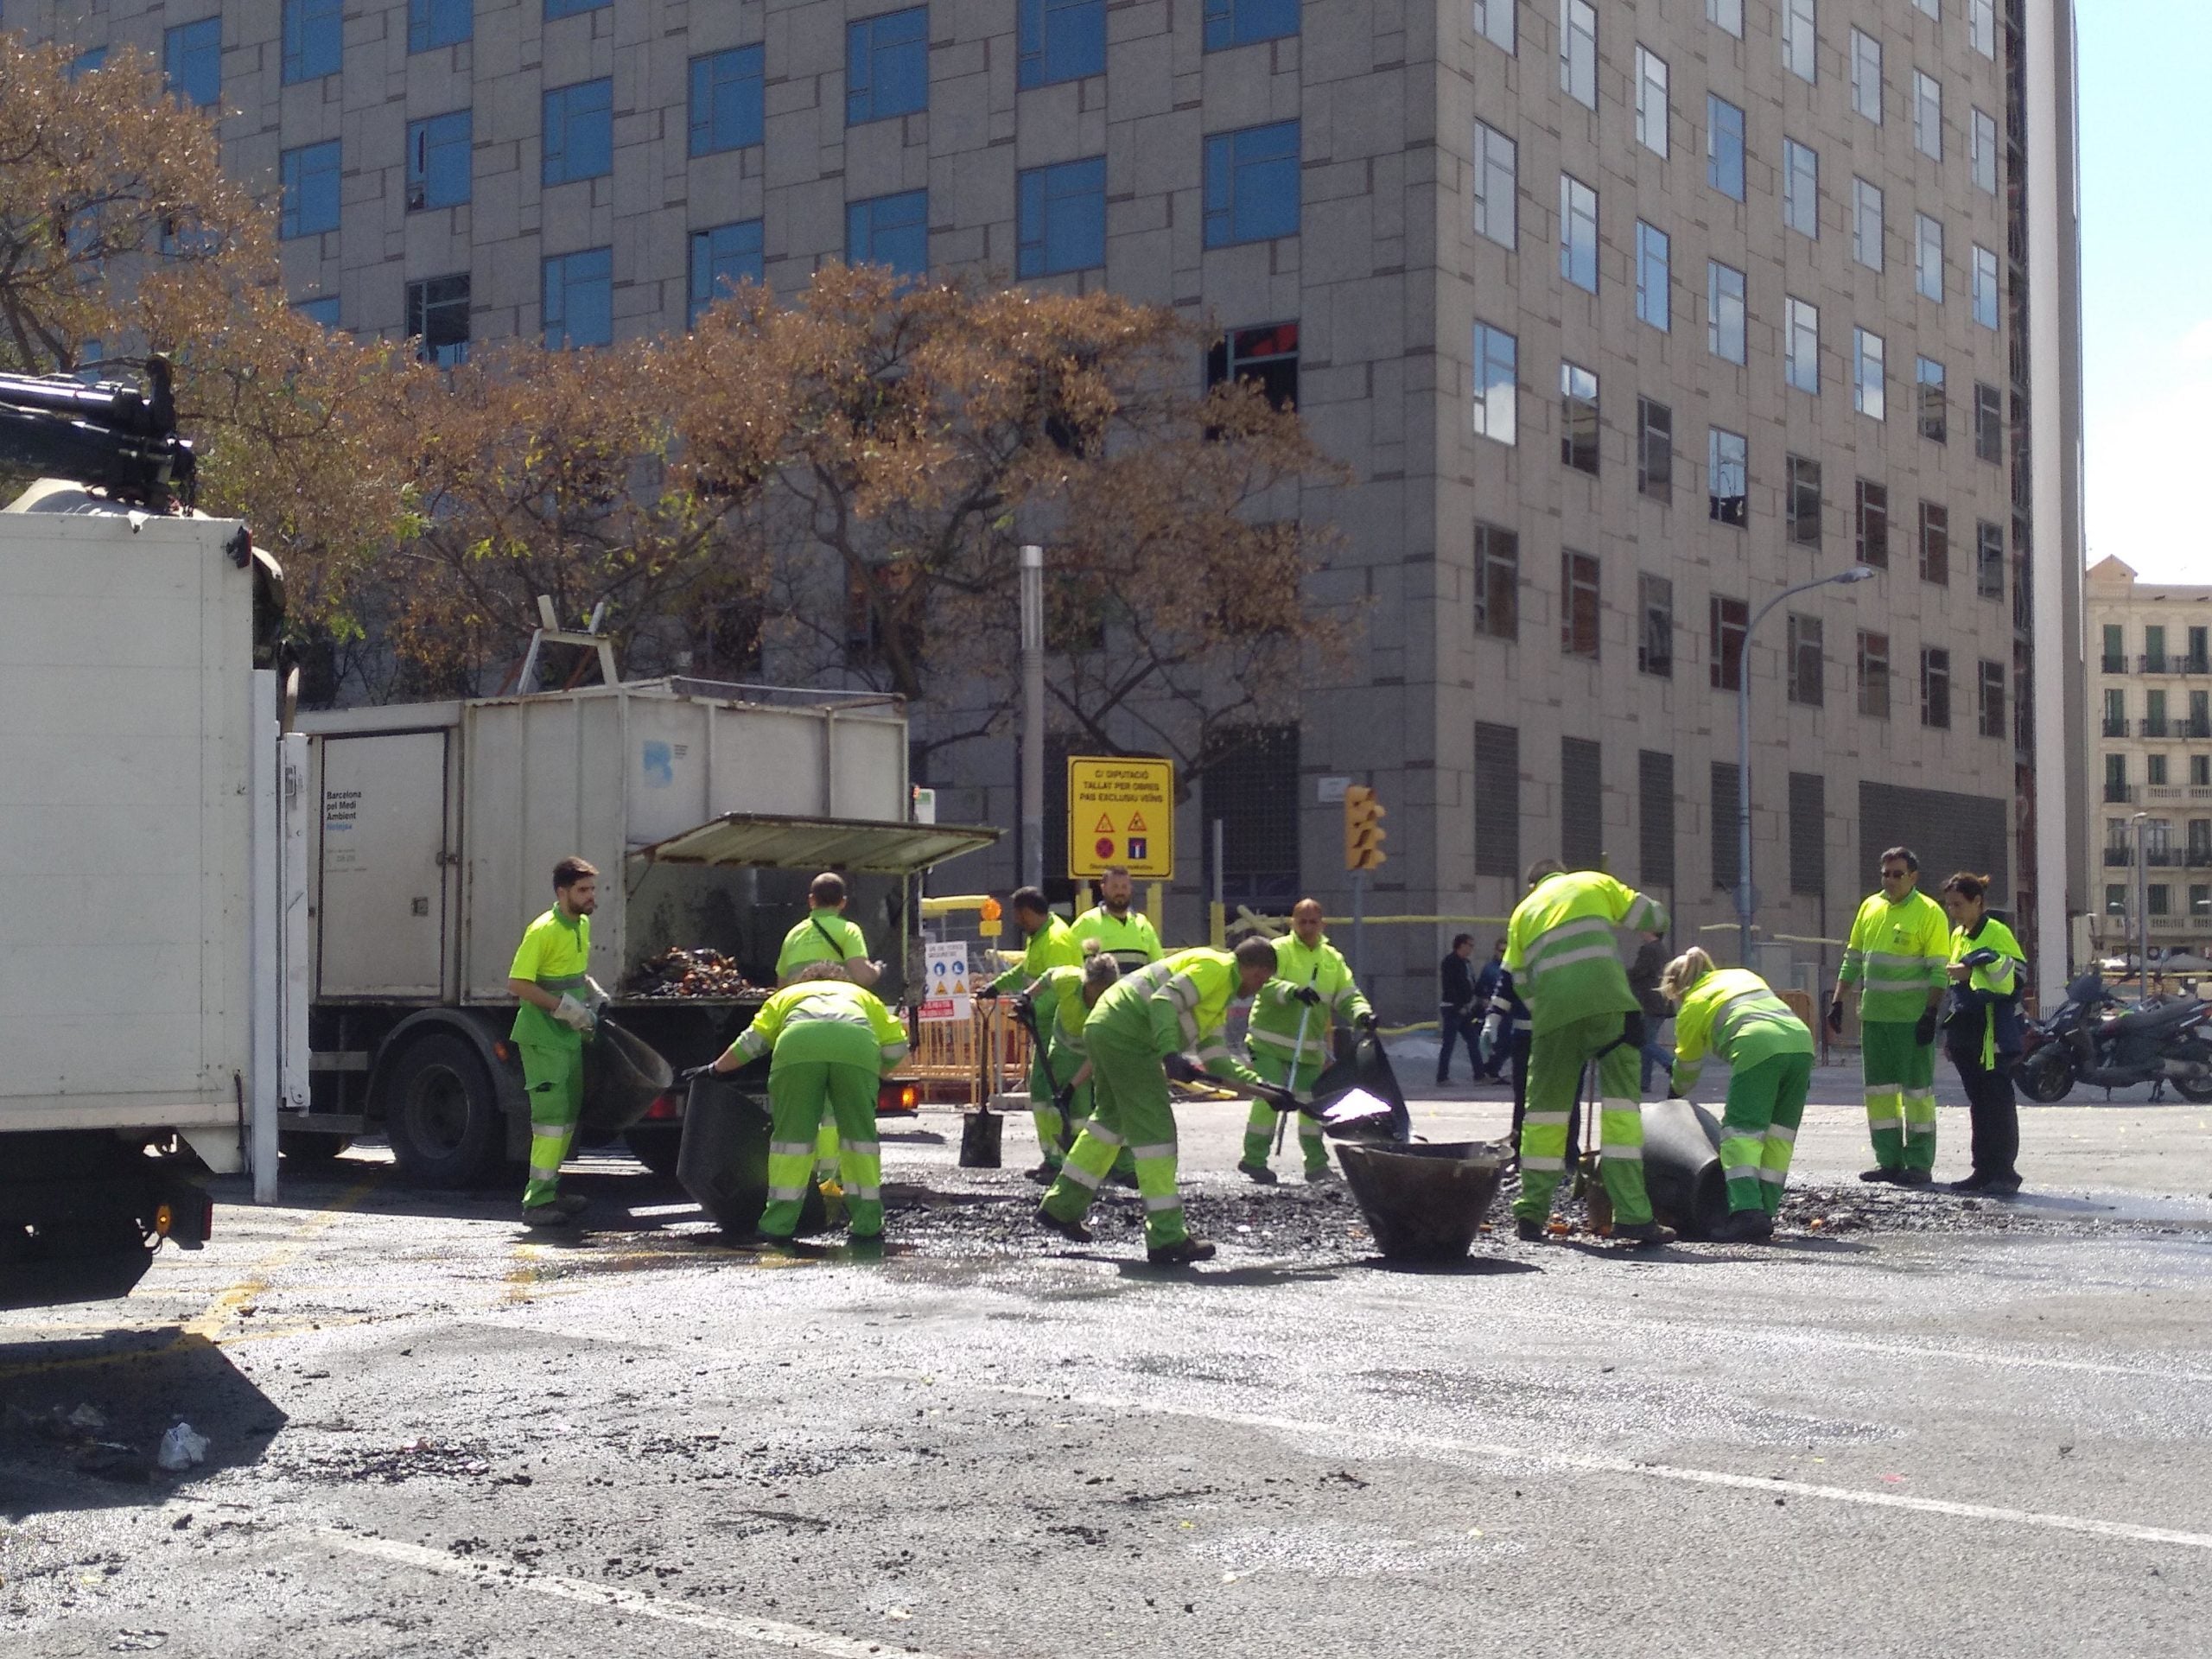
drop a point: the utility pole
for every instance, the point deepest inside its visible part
(1032, 715)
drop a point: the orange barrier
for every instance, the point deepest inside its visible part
(955, 1058)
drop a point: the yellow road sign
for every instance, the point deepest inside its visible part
(1121, 810)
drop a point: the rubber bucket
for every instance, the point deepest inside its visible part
(1682, 1166)
(980, 1133)
(1424, 1201)
(723, 1160)
(1368, 1069)
(623, 1076)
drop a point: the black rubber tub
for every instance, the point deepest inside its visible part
(623, 1075)
(1424, 1200)
(723, 1162)
(1682, 1166)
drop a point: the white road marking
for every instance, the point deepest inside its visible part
(767, 1633)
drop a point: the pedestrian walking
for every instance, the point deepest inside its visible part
(1643, 974)
(1508, 1031)
(1981, 1030)
(1733, 1013)
(1124, 934)
(1300, 1019)
(1897, 955)
(1052, 944)
(1492, 974)
(826, 936)
(1456, 1008)
(551, 980)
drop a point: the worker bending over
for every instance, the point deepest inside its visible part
(559, 1007)
(1289, 1035)
(1122, 933)
(1050, 945)
(1059, 1009)
(1899, 947)
(1733, 1013)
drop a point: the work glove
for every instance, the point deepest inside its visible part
(691, 1074)
(1632, 1029)
(1179, 1069)
(1341, 1044)
(574, 1015)
(1367, 1021)
(1281, 1099)
(1306, 994)
(599, 999)
(1493, 1032)
(1835, 1015)
(1064, 1099)
(1923, 1030)
(1022, 1004)
(987, 992)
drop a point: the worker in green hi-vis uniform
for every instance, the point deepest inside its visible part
(560, 1001)
(1288, 1035)
(826, 936)
(1122, 933)
(1898, 954)
(1733, 1013)
(1050, 945)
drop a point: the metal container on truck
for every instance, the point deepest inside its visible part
(706, 808)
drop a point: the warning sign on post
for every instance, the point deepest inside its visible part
(1122, 811)
(945, 996)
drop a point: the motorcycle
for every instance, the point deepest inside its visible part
(2083, 1041)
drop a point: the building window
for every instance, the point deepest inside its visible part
(1725, 808)
(1801, 188)
(580, 299)
(1251, 185)
(1872, 514)
(1065, 39)
(1866, 223)
(1651, 275)
(2115, 654)
(1582, 803)
(1801, 361)
(1802, 501)
(1867, 75)
(1727, 467)
(191, 62)
(2154, 650)
(1061, 218)
(309, 179)
(726, 100)
(90, 61)
(1730, 622)
(572, 8)
(1497, 384)
(888, 66)
(1578, 418)
(1981, 26)
(1800, 40)
(1655, 816)
(1807, 677)
(1935, 403)
(2154, 720)
(1935, 543)
(1655, 636)
(1578, 52)
(1992, 701)
(1724, 311)
(1869, 376)
(1497, 185)
(1988, 423)
(1985, 153)
(1725, 15)
(2116, 896)
(1497, 582)
(1266, 357)
(433, 24)
(1655, 450)
(1494, 21)
(578, 132)
(322, 310)
(2154, 772)
(1578, 233)
(1936, 688)
(2161, 899)
(1228, 22)
(1651, 101)
(722, 258)
(1808, 822)
(1928, 116)
(1724, 147)
(2199, 772)
(1874, 676)
(437, 320)
(891, 231)
(2115, 713)
(439, 153)
(1577, 615)
(1988, 559)
(1498, 800)
(1928, 257)
(314, 38)
(1985, 287)
(2199, 660)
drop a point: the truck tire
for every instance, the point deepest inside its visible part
(441, 1113)
(656, 1145)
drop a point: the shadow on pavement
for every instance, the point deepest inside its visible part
(1217, 1278)
(1469, 1267)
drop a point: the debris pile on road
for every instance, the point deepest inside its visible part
(679, 972)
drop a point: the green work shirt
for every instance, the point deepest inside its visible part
(1277, 1014)
(1051, 946)
(824, 935)
(1896, 954)
(1733, 1013)
(817, 1020)
(1128, 939)
(1057, 996)
(1178, 1005)
(2001, 978)
(555, 956)
(1561, 950)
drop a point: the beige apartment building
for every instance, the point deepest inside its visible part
(2150, 750)
(1626, 315)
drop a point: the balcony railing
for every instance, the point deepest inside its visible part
(2195, 665)
(2119, 794)
(2118, 858)
(2162, 791)
(2116, 728)
(2195, 727)
(2159, 857)
(2114, 664)
(2150, 664)
(2152, 727)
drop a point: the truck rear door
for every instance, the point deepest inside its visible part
(381, 925)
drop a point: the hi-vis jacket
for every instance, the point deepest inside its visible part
(1733, 1013)
(1177, 1006)
(1053, 945)
(1896, 954)
(1277, 1011)
(1560, 951)
(816, 1020)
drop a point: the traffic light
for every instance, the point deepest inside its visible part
(1363, 832)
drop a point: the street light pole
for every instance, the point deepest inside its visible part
(1744, 906)
(1032, 715)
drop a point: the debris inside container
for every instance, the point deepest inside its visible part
(681, 972)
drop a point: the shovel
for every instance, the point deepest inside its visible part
(981, 1128)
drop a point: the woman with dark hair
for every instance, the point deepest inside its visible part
(1981, 1030)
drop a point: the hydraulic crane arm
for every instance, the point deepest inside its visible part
(109, 437)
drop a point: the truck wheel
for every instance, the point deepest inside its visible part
(655, 1146)
(441, 1113)
(308, 1150)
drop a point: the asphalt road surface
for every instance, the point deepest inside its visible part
(1922, 1427)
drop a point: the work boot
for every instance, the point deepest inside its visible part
(1074, 1231)
(1180, 1253)
(1643, 1232)
(1044, 1175)
(2002, 1186)
(573, 1204)
(1528, 1231)
(1320, 1175)
(1913, 1177)
(1744, 1227)
(1258, 1174)
(542, 1217)
(1974, 1183)
(1880, 1173)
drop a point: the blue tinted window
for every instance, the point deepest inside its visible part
(433, 24)
(192, 60)
(580, 298)
(1061, 40)
(1234, 22)
(1252, 184)
(438, 160)
(888, 66)
(314, 38)
(579, 131)
(721, 259)
(323, 310)
(1724, 147)
(310, 176)
(1062, 218)
(891, 231)
(726, 100)
(570, 8)
(86, 61)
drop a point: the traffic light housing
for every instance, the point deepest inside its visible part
(1363, 832)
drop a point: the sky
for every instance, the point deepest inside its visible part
(2146, 271)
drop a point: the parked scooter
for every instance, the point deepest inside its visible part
(2091, 1038)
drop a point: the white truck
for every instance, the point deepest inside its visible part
(143, 908)
(707, 809)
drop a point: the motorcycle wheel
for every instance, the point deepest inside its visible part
(2045, 1076)
(2200, 1090)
